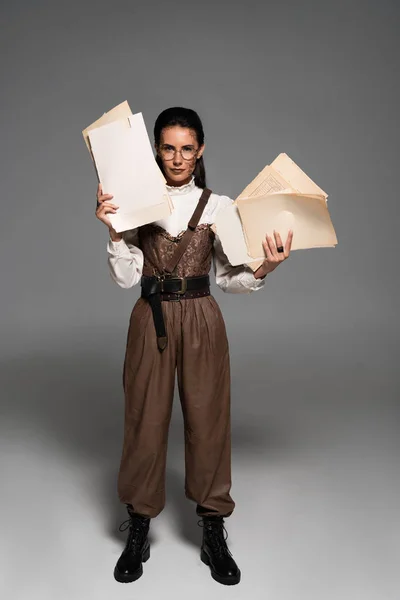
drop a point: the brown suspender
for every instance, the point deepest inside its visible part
(184, 242)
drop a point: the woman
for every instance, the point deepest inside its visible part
(173, 329)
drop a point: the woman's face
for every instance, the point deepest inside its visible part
(175, 141)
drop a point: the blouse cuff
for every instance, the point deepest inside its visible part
(116, 248)
(250, 282)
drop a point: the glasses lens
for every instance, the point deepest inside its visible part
(188, 153)
(167, 153)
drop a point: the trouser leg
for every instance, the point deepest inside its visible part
(204, 386)
(148, 379)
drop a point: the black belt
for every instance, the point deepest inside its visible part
(155, 289)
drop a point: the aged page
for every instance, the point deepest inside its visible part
(282, 175)
(122, 111)
(296, 178)
(306, 215)
(127, 169)
(267, 181)
(228, 227)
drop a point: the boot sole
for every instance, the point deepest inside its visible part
(130, 577)
(224, 580)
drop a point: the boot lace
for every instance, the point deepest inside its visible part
(216, 536)
(137, 532)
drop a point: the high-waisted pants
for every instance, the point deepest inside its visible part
(198, 352)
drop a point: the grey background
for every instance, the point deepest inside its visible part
(315, 385)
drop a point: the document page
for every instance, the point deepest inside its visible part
(295, 177)
(283, 174)
(307, 215)
(127, 169)
(267, 181)
(228, 227)
(122, 111)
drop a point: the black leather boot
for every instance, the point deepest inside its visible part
(215, 552)
(137, 549)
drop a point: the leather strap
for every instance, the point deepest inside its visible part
(195, 287)
(185, 239)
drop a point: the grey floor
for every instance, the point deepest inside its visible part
(315, 474)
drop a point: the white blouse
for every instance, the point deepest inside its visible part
(125, 258)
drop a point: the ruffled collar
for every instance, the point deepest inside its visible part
(181, 189)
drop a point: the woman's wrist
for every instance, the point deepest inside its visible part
(114, 236)
(260, 273)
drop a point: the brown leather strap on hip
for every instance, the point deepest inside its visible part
(171, 288)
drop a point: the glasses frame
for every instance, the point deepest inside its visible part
(160, 150)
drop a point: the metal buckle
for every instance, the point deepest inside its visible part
(183, 284)
(166, 277)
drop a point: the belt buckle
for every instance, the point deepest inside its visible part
(183, 284)
(166, 277)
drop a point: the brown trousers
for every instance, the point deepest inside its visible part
(198, 351)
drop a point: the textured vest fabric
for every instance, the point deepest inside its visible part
(158, 246)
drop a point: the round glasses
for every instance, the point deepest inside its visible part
(187, 152)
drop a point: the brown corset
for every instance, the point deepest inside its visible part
(158, 246)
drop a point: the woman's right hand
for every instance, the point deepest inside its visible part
(104, 207)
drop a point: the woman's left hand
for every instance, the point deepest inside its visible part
(273, 257)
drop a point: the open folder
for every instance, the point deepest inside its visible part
(236, 233)
(306, 215)
(125, 166)
(282, 173)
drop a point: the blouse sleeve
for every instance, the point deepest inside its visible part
(235, 280)
(125, 259)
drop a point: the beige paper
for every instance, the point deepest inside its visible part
(294, 176)
(127, 169)
(282, 174)
(228, 227)
(307, 215)
(141, 216)
(266, 182)
(122, 111)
